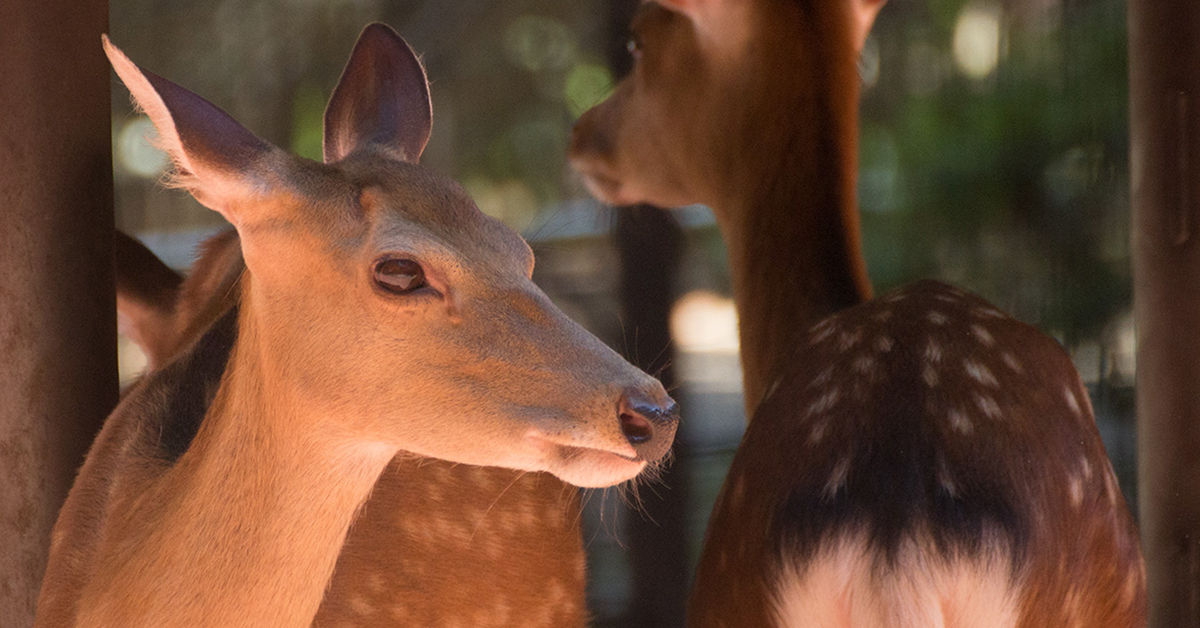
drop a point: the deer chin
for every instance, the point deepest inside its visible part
(588, 467)
(602, 183)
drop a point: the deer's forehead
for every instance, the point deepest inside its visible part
(420, 206)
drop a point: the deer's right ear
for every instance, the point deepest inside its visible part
(382, 99)
(216, 159)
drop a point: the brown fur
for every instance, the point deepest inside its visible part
(433, 536)
(750, 106)
(221, 490)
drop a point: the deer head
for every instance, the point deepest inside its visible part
(712, 82)
(378, 297)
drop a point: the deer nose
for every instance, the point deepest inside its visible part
(648, 424)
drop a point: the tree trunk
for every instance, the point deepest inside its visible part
(57, 320)
(1164, 60)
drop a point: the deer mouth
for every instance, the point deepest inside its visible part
(600, 180)
(589, 467)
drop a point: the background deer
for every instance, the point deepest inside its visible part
(917, 460)
(379, 312)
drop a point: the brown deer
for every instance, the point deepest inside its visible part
(917, 460)
(379, 314)
(427, 545)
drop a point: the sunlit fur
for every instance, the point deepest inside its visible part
(293, 403)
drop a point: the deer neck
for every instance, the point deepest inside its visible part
(253, 537)
(790, 220)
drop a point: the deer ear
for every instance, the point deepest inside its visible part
(864, 17)
(147, 292)
(381, 100)
(216, 159)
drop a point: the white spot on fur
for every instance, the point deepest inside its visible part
(822, 330)
(500, 612)
(1011, 362)
(946, 479)
(883, 315)
(848, 339)
(883, 344)
(936, 317)
(823, 403)
(822, 378)
(960, 421)
(433, 490)
(933, 352)
(981, 334)
(771, 389)
(1086, 466)
(482, 477)
(988, 406)
(846, 585)
(980, 373)
(929, 375)
(945, 297)
(1072, 402)
(864, 365)
(818, 432)
(375, 583)
(988, 312)
(360, 606)
(1075, 490)
(895, 297)
(837, 478)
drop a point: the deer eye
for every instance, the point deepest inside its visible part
(399, 276)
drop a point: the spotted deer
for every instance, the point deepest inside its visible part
(380, 315)
(920, 459)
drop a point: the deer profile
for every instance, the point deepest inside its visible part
(379, 315)
(920, 459)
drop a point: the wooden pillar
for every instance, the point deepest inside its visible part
(57, 320)
(650, 243)
(1164, 64)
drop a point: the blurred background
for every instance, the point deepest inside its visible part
(994, 155)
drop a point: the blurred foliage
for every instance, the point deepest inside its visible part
(1014, 184)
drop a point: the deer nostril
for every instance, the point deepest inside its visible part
(636, 428)
(648, 421)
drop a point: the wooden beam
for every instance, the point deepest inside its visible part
(1164, 64)
(57, 319)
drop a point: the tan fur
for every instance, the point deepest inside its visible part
(329, 377)
(432, 536)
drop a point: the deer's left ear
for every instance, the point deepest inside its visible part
(221, 163)
(863, 18)
(382, 99)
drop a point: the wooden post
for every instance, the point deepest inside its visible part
(57, 320)
(650, 243)
(1164, 72)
